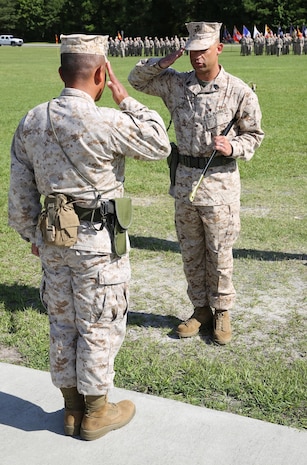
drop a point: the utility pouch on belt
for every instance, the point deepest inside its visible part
(58, 221)
(122, 221)
(172, 161)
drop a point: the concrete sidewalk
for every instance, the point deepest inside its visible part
(163, 432)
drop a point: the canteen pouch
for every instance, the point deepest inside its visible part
(59, 221)
(122, 221)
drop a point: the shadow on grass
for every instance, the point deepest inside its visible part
(20, 296)
(150, 320)
(267, 255)
(153, 243)
(156, 244)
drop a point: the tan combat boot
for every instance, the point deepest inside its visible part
(74, 411)
(190, 327)
(221, 327)
(101, 416)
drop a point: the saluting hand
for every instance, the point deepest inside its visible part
(118, 90)
(171, 58)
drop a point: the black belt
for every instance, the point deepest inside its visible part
(200, 163)
(95, 214)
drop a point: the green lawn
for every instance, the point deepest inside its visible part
(263, 372)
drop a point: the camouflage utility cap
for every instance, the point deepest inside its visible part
(83, 43)
(202, 35)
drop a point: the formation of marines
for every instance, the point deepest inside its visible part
(281, 44)
(273, 44)
(144, 47)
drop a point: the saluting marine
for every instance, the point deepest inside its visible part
(202, 102)
(70, 150)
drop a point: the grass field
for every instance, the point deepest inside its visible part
(263, 372)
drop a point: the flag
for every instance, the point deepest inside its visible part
(119, 35)
(267, 31)
(246, 32)
(280, 32)
(256, 32)
(237, 36)
(226, 36)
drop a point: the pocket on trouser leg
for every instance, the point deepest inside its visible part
(114, 302)
(101, 339)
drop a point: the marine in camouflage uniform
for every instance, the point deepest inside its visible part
(85, 287)
(201, 103)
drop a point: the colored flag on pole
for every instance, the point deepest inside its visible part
(246, 32)
(226, 35)
(237, 36)
(280, 32)
(256, 32)
(267, 31)
(119, 35)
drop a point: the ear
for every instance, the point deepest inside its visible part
(220, 48)
(61, 73)
(99, 75)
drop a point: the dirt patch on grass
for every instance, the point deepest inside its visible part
(10, 355)
(273, 320)
(270, 309)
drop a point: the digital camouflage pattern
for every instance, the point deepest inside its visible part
(208, 227)
(84, 287)
(206, 235)
(198, 114)
(87, 311)
(202, 35)
(84, 43)
(96, 139)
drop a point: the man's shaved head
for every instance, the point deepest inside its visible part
(79, 66)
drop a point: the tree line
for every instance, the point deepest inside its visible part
(42, 20)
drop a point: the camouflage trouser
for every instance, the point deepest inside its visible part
(206, 235)
(86, 297)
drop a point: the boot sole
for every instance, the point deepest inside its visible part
(220, 340)
(193, 333)
(72, 430)
(92, 435)
(204, 326)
